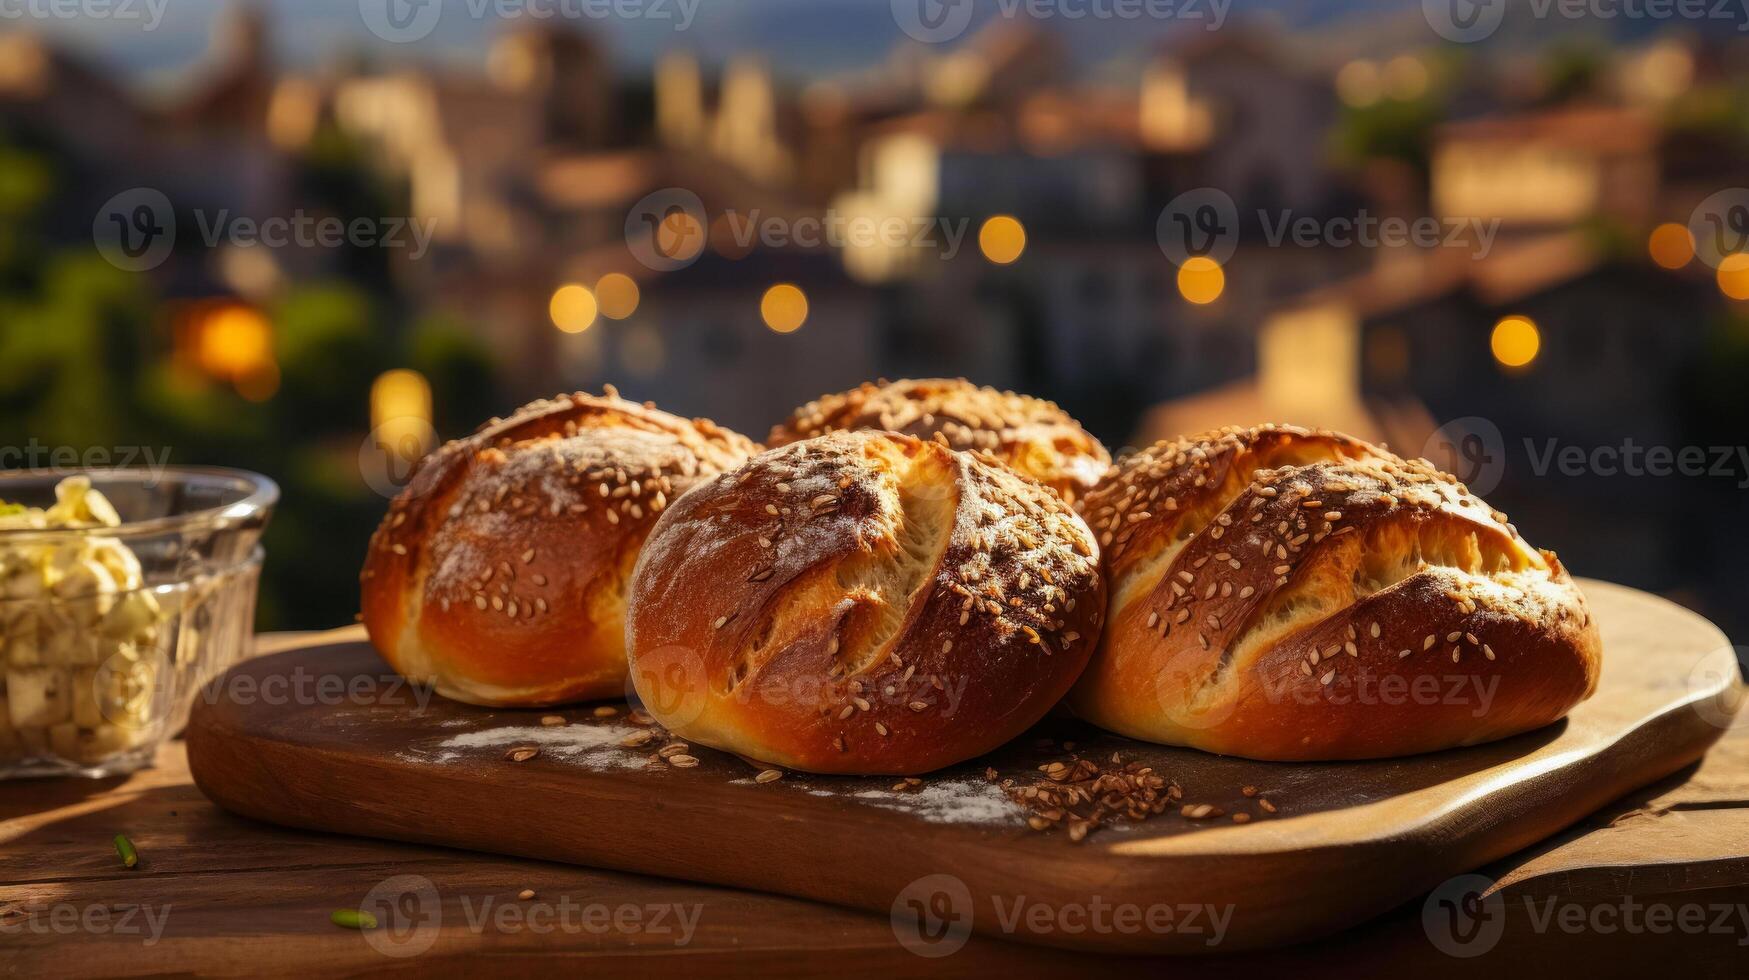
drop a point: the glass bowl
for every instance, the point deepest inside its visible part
(106, 632)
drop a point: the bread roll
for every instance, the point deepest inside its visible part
(1284, 594)
(863, 602)
(1032, 435)
(499, 573)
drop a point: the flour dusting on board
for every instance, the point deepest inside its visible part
(596, 746)
(957, 801)
(964, 800)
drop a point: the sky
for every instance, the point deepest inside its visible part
(150, 39)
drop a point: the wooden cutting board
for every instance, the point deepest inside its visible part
(326, 737)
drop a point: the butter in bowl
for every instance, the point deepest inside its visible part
(121, 593)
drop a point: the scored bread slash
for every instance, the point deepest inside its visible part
(522, 753)
(1245, 538)
(918, 539)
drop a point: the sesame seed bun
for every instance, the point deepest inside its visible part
(499, 573)
(862, 602)
(1279, 593)
(1030, 434)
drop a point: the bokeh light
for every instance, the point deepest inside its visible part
(235, 341)
(573, 308)
(1201, 280)
(400, 411)
(1671, 245)
(1358, 83)
(1734, 275)
(617, 295)
(1515, 341)
(1002, 238)
(784, 307)
(1405, 77)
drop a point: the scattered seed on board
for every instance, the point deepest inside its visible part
(522, 753)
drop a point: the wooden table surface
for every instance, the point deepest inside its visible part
(1656, 881)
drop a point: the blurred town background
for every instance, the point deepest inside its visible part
(1098, 211)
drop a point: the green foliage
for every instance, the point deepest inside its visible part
(67, 377)
(1718, 111)
(1573, 69)
(459, 366)
(1716, 400)
(1390, 129)
(86, 360)
(331, 342)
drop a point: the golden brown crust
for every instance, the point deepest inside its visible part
(862, 602)
(1030, 434)
(499, 573)
(1344, 604)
